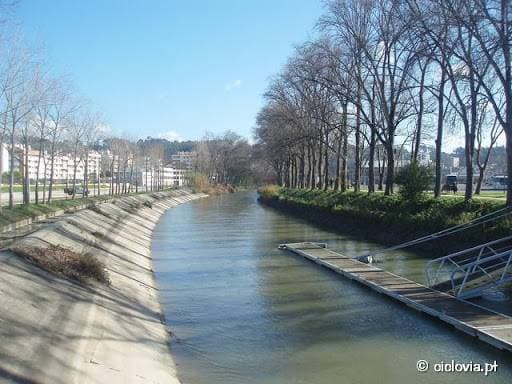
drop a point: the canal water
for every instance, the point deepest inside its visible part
(242, 311)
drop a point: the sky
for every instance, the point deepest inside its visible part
(173, 69)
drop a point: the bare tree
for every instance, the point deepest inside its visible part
(61, 109)
(492, 129)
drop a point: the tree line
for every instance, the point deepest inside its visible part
(382, 75)
(44, 113)
(226, 158)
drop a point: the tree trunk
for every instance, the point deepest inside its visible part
(326, 162)
(371, 161)
(39, 155)
(419, 121)
(344, 148)
(26, 178)
(390, 174)
(11, 174)
(313, 168)
(480, 180)
(86, 175)
(319, 170)
(75, 165)
(357, 165)
(440, 127)
(52, 169)
(338, 163)
(45, 179)
(302, 168)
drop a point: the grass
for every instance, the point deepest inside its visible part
(381, 218)
(20, 212)
(64, 262)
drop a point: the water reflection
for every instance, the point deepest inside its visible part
(244, 312)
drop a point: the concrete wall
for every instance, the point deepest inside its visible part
(58, 331)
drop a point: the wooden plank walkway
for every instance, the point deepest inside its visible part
(489, 326)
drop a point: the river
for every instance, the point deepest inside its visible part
(242, 311)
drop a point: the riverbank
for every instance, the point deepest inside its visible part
(24, 214)
(389, 219)
(55, 330)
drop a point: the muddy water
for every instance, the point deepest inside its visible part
(242, 311)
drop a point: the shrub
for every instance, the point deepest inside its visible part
(269, 191)
(413, 179)
(199, 183)
(392, 218)
(65, 262)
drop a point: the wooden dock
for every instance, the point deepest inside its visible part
(489, 326)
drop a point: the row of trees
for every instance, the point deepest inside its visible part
(42, 115)
(225, 159)
(384, 75)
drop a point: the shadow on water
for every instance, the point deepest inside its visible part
(243, 311)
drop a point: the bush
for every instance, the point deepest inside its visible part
(269, 191)
(413, 179)
(6, 177)
(199, 183)
(65, 262)
(391, 218)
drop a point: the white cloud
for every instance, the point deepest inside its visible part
(234, 84)
(170, 135)
(104, 129)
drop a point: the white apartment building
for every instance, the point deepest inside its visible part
(4, 159)
(183, 160)
(172, 177)
(63, 167)
(63, 164)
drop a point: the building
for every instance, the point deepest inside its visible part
(63, 167)
(424, 156)
(171, 177)
(183, 160)
(40, 166)
(4, 159)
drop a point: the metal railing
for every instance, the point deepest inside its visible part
(468, 273)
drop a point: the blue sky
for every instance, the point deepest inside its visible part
(172, 68)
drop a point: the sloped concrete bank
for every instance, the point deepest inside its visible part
(53, 330)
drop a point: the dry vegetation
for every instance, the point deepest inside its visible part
(200, 183)
(61, 261)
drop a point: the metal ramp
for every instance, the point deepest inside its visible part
(468, 273)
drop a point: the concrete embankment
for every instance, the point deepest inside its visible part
(54, 330)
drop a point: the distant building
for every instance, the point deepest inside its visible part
(4, 159)
(424, 155)
(171, 177)
(63, 164)
(183, 160)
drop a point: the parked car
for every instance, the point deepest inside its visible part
(78, 191)
(82, 191)
(451, 184)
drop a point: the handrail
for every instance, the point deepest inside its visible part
(432, 273)
(464, 251)
(481, 264)
(477, 265)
